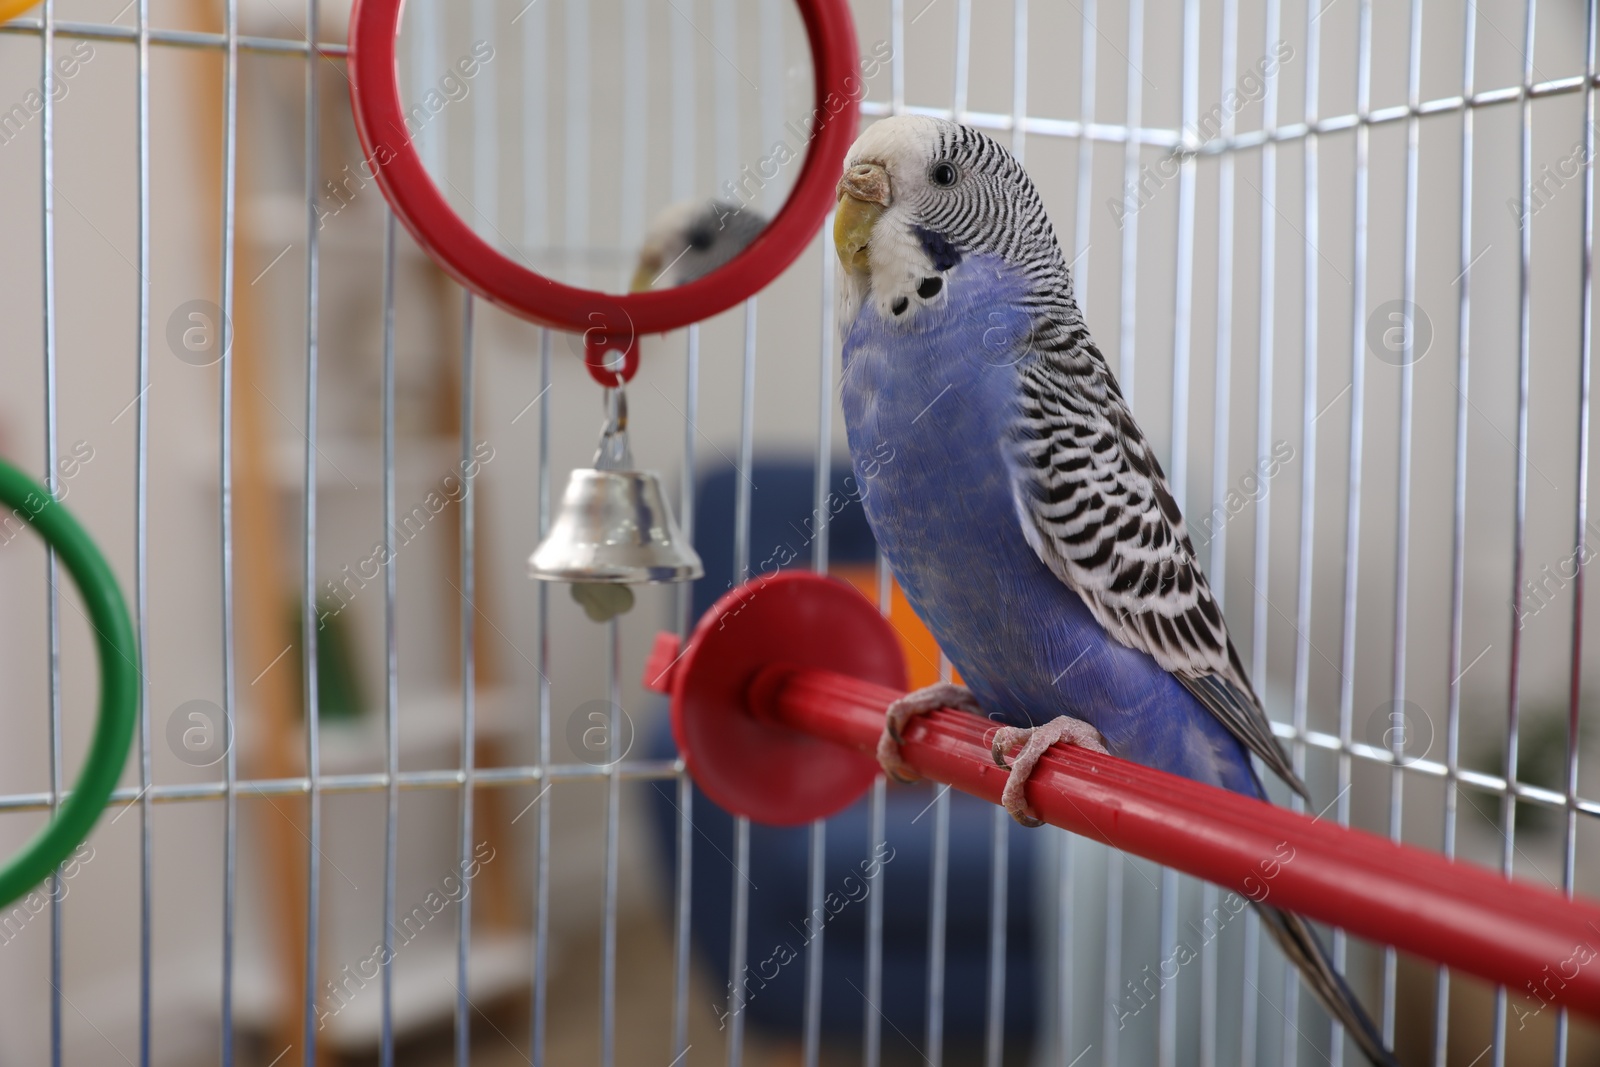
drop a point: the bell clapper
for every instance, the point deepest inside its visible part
(603, 601)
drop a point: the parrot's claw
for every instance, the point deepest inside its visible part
(1034, 741)
(908, 707)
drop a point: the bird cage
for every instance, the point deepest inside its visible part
(311, 310)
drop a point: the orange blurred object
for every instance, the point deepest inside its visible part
(922, 651)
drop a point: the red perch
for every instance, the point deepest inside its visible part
(778, 701)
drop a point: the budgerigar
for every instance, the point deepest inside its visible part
(688, 240)
(1024, 513)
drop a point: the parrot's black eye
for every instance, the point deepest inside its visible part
(700, 239)
(943, 174)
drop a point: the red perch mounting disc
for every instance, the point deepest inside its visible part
(750, 766)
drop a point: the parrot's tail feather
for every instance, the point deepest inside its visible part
(1300, 944)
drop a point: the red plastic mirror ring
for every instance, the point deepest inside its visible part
(392, 159)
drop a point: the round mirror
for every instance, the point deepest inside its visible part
(638, 146)
(615, 145)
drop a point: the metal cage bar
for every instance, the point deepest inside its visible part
(541, 892)
(391, 656)
(1308, 463)
(469, 672)
(685, 843)
(1116, 864)
(1210, 896)
(739, 950)
(1358, 285)
(230, 830)
(1508, 804)
(1182, 313)
(308, 629)
(821, 519)
(1569, 853)
(52, 568)
(1413, 131)
(1082, 240)
(141, 507)
(1459, 514)
(654, 770)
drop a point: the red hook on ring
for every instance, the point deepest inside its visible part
(600, 354)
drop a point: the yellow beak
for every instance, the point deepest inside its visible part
(644, 276)
(863, 196)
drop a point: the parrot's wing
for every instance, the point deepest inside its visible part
(1094, 504)
(1240, 712)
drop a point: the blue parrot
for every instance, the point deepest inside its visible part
(1024, 513)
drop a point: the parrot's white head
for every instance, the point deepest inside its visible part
(689, 240)
(919, 196)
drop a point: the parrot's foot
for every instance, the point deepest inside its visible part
(1034, 740)
(908, 707)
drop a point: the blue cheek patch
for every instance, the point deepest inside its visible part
(944, 255)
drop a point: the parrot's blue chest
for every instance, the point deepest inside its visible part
(929, 402)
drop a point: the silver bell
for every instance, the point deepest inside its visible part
(614, 526)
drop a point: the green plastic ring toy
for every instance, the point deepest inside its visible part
(119, 683)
